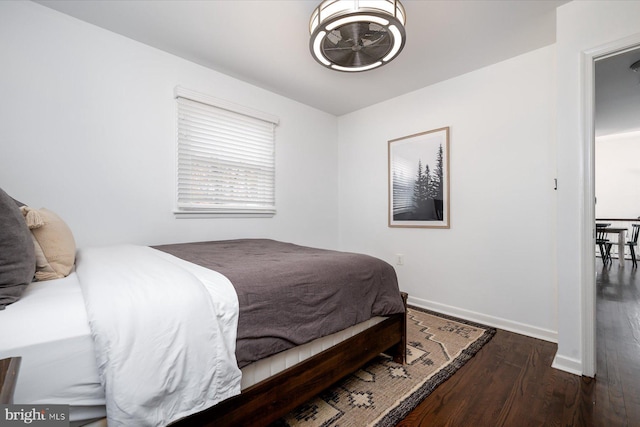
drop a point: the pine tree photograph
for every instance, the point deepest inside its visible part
(418, 180)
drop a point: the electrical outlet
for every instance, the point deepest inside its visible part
(399, 259)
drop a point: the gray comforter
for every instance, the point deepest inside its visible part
(291, 294)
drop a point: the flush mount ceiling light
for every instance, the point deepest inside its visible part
(357, 35)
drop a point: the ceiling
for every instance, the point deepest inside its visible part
(617, 94)
(266, 42)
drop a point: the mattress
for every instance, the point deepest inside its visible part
(263, 369)
(48, 328)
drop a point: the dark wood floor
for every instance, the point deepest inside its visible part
(510, 381)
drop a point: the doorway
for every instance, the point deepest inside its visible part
(600, 119)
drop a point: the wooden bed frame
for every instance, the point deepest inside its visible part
(268, 400)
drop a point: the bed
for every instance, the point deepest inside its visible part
(61, 345)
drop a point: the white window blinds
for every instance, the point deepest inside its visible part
(226, 157)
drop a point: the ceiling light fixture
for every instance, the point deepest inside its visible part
(635, 66)
(357, 35)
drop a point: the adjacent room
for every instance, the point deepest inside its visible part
(307, 212)
(617, 130)
(617, 211)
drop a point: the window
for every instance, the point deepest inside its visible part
(225, 158)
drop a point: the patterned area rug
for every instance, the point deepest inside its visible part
(383, 392)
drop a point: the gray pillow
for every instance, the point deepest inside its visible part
(17, 253)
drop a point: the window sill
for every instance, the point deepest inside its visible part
(262, 213)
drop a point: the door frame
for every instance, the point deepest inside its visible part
(588, 60)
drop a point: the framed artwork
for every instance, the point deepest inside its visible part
(419, 180)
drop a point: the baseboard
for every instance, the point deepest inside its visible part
(573, 366)
(496, 322)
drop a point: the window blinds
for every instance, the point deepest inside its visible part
(226, 159)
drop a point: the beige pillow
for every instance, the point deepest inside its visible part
(54, 244)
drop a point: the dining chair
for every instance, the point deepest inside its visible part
(633, 242)
(604, 244)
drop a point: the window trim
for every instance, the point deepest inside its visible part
(225, 211)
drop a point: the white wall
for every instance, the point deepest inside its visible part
(581, 27)
(617, 175)
(496, 262)
(87, 130)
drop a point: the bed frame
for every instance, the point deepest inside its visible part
(270, 399)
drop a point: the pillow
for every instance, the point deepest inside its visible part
(17, 253)
(55, 248)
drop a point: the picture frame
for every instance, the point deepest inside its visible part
(419, 180)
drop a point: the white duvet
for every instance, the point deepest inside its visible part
(164, 332)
